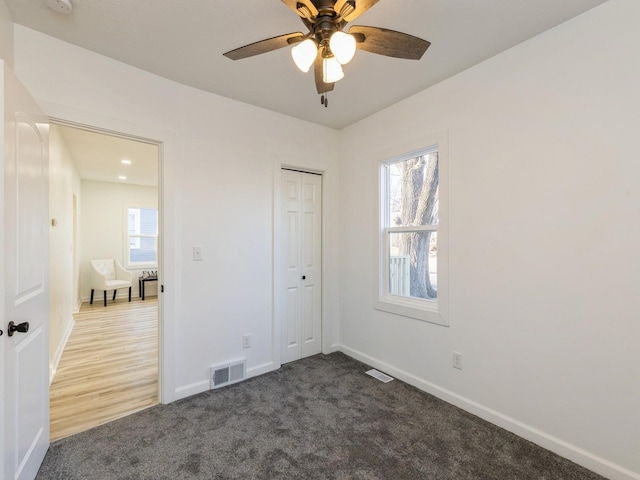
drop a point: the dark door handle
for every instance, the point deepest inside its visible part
(21, 327)
(304, 277)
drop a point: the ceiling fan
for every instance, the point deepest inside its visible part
(327, 47)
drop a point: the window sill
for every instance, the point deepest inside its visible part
(416, 309)
(142, 266)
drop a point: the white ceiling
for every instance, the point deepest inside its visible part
(184, 41)
(97, 156)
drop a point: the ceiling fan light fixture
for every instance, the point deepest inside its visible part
(304, 54)
(331, 70)
(326, 47)
(343, 46)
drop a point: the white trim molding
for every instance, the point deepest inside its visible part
(53, 368)
(575, 454)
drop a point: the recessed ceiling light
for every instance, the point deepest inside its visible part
(125, 161)
(61, 6)
(122, 177)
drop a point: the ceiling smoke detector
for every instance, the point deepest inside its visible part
(61, 6)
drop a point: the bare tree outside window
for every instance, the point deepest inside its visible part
(412, 217)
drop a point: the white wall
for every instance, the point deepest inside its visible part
(544, 240)
(219, 163)
(63, 297)
(6, 34)
(104, 208)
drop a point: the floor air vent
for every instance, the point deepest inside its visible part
(379, 375)
(222, 375)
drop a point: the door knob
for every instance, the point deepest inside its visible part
(304, 277)
(21, 327)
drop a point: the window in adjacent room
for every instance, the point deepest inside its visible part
(142, 236)
(412, 269)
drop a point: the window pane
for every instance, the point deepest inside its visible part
(413, 264)
(134, 242)
(146, 253)
(413, 191)
(142, 222)
(133, 222)
(148, 221)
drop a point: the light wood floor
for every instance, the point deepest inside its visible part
(109, 368)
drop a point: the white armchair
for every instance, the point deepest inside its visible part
(109, 275)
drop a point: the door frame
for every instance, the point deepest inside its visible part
(166, 298)
(3, 321)
(278, 258)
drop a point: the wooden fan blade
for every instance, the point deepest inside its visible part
(352, 8)
(389, 42)
(304, 8)
(321, 87)
(263, 46)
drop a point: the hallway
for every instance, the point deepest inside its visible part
(109, 368)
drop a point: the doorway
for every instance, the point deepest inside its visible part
(104, 362)
(75, 251)
(302, 264)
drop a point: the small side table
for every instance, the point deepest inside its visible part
(142, 281)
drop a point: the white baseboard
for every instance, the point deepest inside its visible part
(261, 369)
(55, 361)
(575, 454)
(76, 309)
(331, 349)
(192, 389)
(98, 298)
(203, 386)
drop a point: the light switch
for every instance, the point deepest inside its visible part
(197, 254)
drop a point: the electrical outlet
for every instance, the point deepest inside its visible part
(197, 254)
(246, 340)
(457, 360)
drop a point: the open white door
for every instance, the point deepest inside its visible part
(25, 365)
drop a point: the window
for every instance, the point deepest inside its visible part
(412, 269)
(142, 236)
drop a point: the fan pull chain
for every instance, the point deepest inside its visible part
(324, 100)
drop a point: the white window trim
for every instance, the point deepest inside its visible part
(137, 265)
(433, 311)
(137, 222)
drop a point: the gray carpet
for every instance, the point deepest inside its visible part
(318, 418)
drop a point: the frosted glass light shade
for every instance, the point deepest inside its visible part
(331, 70)
(343, 46)
(304, 54)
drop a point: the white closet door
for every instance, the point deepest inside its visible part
(302, 254)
